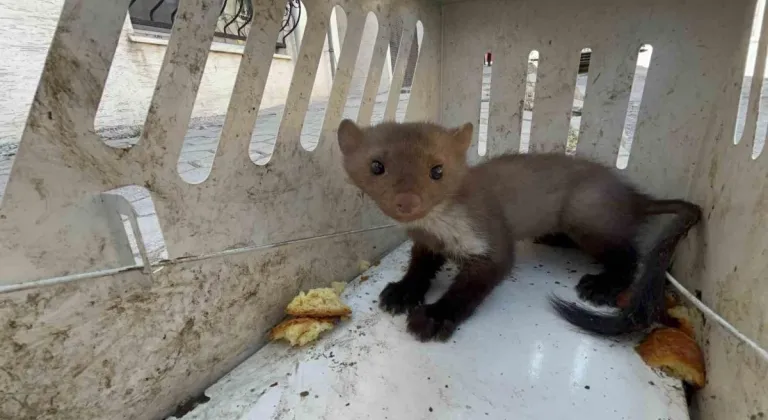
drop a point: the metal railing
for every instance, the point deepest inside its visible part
(234, 20)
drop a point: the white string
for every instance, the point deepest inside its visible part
(36, 284)
(712, 315)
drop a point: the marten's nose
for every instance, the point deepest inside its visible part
(407, 203)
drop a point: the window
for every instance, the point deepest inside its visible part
(157, 16)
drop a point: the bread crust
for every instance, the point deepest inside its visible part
(300, 331)
(675, 352)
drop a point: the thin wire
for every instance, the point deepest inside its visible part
(712, 315)
(34, 284)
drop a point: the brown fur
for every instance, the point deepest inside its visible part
(409, 149)
(474, 215)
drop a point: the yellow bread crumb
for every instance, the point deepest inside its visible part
(300, 331)
(681, 314)
(338, 287)
(323, 302)
(364, 265)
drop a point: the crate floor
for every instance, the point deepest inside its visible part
(514, 359)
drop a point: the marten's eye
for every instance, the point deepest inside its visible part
(436, 172)
(377, 168)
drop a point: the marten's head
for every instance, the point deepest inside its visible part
(408, 168)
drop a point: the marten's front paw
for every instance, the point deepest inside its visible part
(400, 297)
(431, 322)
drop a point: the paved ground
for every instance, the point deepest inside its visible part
(202, 138)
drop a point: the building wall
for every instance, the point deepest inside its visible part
(364, 57)
(394, 47)
(136, 66)
(25, 37)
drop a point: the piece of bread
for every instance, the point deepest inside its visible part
(676, 353)
(671, 300)
(300, 331)
(322, 303)
(682, 315)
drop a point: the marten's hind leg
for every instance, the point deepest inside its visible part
(601, 218)
(619, 260)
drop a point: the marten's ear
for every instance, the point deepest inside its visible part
(350, 136)
(462, 136)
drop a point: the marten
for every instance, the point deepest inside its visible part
(418, 174)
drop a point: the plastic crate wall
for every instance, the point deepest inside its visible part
(132, 344)
(683, 144)
(87, 332)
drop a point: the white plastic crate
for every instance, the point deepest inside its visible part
(90, 330)
(513, 359)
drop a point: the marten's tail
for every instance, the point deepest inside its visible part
(646, 294)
